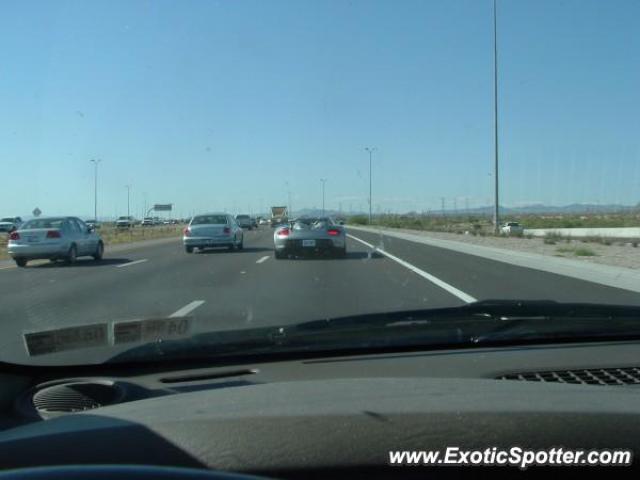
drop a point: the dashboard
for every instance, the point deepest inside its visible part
(331, 417)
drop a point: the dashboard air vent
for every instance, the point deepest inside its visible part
(74, 397)
(590, 376)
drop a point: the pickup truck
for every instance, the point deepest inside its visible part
(9, 224)
(124, 222)
(512, 228)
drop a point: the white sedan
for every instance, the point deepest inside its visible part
(55, 238)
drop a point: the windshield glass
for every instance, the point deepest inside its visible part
(388, 157)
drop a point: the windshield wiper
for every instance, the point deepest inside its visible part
(481, 323)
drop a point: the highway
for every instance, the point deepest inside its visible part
(240, 289)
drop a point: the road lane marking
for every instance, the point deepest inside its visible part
(135, 262)
(188, 308)
(442, 284)
(7, 267)
(263, 259)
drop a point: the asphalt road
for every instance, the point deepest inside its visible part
(229, 290)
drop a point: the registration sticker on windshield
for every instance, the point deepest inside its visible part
(151, 329)
(63, 339)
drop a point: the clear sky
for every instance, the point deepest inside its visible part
(215, 105)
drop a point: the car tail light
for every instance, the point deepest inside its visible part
(226, 230)
(186, 232)
(333, 232)
(14, 236)
(284, 232)
(53, 234)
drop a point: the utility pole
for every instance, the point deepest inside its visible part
(496, 211)
(370, 150)
(323, 181)
(442, 207)
(95, 187)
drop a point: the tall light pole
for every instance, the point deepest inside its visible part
(289, 211)
(496, 207)
(323, 181)
(370, 150)
(128, 187)
(95, 162)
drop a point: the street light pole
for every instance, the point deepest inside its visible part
(95, 187)
(323, 181)
(128, 187)
(496, 207)
(289, 211)
(370, 150)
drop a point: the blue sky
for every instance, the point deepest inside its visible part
(215, 105)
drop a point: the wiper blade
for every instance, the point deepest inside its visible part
(502, 310)
(483, 322)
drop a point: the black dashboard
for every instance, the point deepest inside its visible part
(334, 417)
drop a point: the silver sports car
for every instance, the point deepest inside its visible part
(310, 236)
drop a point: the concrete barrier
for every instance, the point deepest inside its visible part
(623, 232)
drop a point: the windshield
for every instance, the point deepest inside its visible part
(254, 165)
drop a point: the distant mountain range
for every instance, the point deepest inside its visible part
(574, 208)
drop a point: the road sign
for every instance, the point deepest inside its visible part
(37, 212)
(163, 207)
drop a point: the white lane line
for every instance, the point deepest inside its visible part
(135, 262)
(263, 259)
(188, 308)
(442, 284)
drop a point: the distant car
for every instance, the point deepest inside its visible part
(245, 221)
(512, 228)
(212, 230)
(310, 236)
(125, 222)
(93, 224)
(55, 238)
(254, 222)
(9, 224)
(147, 222)
(264, 221)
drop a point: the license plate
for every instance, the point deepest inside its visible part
(32, 239)
(308, 243)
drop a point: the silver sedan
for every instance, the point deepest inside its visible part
(55, 238)
(310, 235)
(212, 230)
